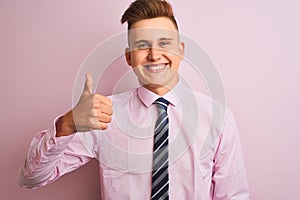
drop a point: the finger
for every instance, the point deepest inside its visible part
(104, 108)
(103, 125)
(103, 100)
(102, 117)
(98, 125)
(88, 86)
(94, 124)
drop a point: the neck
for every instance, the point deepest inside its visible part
(161, 89)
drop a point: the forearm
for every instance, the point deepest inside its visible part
(41, 165)
(50, 157)
(229, 174)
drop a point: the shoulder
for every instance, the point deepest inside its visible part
(214, 110)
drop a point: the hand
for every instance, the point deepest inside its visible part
(93, 111)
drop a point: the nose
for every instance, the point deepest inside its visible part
(154, 54)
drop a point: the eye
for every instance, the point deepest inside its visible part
(164, 44)
(144, 46)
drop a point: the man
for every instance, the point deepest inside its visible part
(147, 145)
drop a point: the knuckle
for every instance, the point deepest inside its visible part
(96, 104)
(98, 97)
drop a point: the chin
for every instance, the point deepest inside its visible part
(156, 85)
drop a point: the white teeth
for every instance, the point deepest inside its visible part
(157, 67)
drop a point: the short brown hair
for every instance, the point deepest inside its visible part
(148, 9)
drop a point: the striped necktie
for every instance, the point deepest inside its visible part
(160, 176)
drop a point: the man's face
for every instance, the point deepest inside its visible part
(155, 53)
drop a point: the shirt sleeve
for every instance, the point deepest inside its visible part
(50, 157)
(229, 175)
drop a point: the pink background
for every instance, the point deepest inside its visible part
(255, 45)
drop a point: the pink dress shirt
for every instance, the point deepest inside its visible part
(124, 150)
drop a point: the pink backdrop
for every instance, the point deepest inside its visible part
(255, 45)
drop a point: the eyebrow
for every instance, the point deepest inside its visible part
(141, 41)
(147, 41)
(166, 39)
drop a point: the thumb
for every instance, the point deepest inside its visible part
(88, 86)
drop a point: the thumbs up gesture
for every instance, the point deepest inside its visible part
(93, 111)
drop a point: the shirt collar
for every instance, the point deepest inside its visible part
(148, 97)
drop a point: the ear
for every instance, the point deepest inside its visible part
(128, 56)
(181, 50)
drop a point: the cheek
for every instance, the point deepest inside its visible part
(137, 58)
(175, 59)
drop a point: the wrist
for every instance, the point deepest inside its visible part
(65, 125)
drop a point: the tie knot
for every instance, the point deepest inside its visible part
(162, 103)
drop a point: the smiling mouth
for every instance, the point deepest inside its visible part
(156, 68)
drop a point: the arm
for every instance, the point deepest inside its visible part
(229, 175)
(60, 150)
(50, 157)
